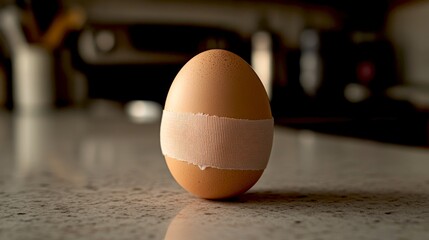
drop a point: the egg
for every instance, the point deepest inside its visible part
(218, 88)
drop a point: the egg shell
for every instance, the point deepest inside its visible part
(217, 83)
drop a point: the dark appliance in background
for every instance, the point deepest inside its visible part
(336, 83)
(139, 62)
(332, 73)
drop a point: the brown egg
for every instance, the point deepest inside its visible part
(217, 83)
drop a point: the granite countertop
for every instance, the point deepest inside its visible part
(71, 175)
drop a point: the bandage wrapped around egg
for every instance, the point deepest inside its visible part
(217, 128)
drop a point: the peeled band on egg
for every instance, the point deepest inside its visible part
(216, 142)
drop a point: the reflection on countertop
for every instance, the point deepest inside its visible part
(75, 175)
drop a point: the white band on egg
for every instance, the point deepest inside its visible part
(217, 142)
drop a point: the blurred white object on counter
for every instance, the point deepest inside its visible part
(33, 88)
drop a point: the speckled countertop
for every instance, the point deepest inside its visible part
(80, 176)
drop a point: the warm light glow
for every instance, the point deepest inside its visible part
(105, 40)
(310, 62)
(143, 111)
(356, 92)
(262, 58)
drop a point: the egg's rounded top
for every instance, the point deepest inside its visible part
(219, 83)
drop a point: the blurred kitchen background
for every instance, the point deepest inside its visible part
(357, 68)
